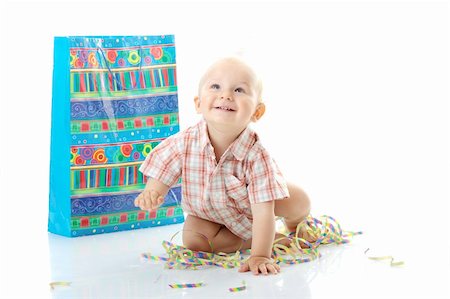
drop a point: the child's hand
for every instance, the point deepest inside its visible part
(260, 264)
(148, 200)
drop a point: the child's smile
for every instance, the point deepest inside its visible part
(225, 108)
(228, 95)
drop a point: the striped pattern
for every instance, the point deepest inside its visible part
(186, 285)
(238, 289)
(90, 178)
(123, 102)
(124, 123)
(124, 217)
(218, 196)
(118, 80)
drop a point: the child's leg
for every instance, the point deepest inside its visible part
(222, 239)
(293, 209)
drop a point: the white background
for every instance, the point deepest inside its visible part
(357, 96)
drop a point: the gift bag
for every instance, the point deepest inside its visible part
(114, 99)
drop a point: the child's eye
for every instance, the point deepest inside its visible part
(215, 86)
(239, 89)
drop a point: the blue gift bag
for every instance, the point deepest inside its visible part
(114, 99)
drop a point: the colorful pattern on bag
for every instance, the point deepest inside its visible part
(148, 79)
(126, 220)
(115, 203)
(123, 103)
(124, 124)
(114, 153)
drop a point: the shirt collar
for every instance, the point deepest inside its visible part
(239, 148)
(204, 138)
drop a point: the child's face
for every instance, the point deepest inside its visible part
(228, 94)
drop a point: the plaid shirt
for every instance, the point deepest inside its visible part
(220, 192)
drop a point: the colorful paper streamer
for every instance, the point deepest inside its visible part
(386, 257)
(59, 283)
(186, 285)
(238, 289)
(324, 230)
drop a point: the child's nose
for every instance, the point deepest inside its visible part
(226, 96)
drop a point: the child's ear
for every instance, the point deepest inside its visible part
(197, 104)
(259, 112)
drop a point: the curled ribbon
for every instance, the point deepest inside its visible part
(186, 285)
(238, 289)
(182, 258)
(387, 257)
(59, 283)
(325, 230)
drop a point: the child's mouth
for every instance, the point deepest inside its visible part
(225, 108)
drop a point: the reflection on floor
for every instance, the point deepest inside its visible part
(111, 266)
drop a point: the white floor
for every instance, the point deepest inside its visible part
(110, 266)
(357, 114)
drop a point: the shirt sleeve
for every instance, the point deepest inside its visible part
(164, 162)
(264, 179)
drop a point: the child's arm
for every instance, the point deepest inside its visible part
(262, 240)
(152, 196)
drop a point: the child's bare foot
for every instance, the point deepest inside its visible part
(282, 239)
(306, 234)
